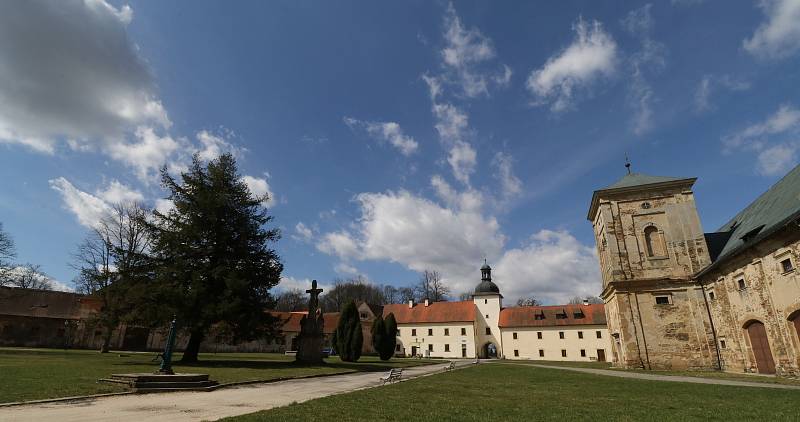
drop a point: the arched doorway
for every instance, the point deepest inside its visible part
(489, 351)
(794, 318)
(760, 345)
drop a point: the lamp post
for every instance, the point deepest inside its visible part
(166, 357)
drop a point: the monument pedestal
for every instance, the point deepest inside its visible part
(312, 337)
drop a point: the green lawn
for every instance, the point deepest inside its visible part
(514, 392)
(32, 374)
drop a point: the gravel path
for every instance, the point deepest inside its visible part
(201, 406)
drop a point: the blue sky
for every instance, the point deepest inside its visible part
(395, 137)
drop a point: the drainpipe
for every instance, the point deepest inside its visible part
(713, 329)
(644, 338)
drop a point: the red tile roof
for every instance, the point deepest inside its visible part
(526, 316)
(436, 312)
(46, 303)
(291, 321)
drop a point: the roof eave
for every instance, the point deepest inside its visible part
(596, 195)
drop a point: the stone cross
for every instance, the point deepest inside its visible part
(312, 337)
(313, 301)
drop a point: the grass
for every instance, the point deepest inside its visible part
(513, 392)
(732, 376)
(33, 374)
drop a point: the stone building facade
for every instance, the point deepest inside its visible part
(679, 298)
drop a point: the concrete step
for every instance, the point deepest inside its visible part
(155, 382)
(160, 378)
(174, 385)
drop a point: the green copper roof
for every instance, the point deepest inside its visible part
(638, 179)
(768, 213)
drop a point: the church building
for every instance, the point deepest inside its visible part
(483, 328)
(679, 298)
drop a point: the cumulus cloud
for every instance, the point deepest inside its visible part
(260, 188)
(87, 208)
(164, 206)
(452, 125)
(779, 36)
(510, 185)
(346, 269)
(466, 54)
(591, 56)
(69, 72)
(303, 232)
(386, 132)
(290, 283)
(340, 244)
(146, 154)
(777, 159)
(212, 146)
(553, 266)
(774, 139)
(118, 193)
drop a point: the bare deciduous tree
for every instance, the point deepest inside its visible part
(431, 287)
(528, 301)
(27, 276)
(465, 296)
(7, 253)
(292, 300)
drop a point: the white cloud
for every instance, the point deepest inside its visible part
(212, 146)
(147, 154)
(785, 119)
(304, 233)
(777, 160)
(467, 200)
(650, 58)
(592, 55)
(68, 71)
(347, 269)
(465, 52)
(779, 36)
(388, 132)
(553, 266)
(289, 283)
(117, 193)
(340, 244)
(452, 125)
(260, 188)
(711, 83)
(510, 185)
(88, 209)
(164, 206)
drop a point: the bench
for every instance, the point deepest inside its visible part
(450, 367)
(393, 375)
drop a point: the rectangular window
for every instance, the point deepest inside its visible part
(563, 353)
(740, 284)
(488, 331)
(398, 332)
(363, 315)
(722, 343)
(485, 301)
(561, 335)
(538, 317)
(711, 295)
(580, 334)
(786, 265)
(516, 353)
(583, 353)
(447, 331)
(430, 331)
(430, 347)
(541, 353)
(599, 334)
(561, 316)
(446, 347)
(397, 348)
(463, 331)
(413, 331)
(515, 336)
(662, 300)
(539, 335)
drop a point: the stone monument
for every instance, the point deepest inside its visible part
(311, 338)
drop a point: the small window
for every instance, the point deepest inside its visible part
(541, 353)
(711, 295)
(561, 335)
(463, 331)
(515, 336)
(563, 353)
(413, 331)
(578, 315)
(562, 315)
(741, 284)
(516, 352)
(397, 348)
(539, 335)
(583, 353)
(430, 347)
(364, 315)
(430, 331)
(488, 331)
(786, 265)
(447, 331)
(487, 316)
(580, 334)
(485, 301)
(398, 332)
(599, 334)
(662, 300)
(539, 316)
(722, 343)
(446, 347)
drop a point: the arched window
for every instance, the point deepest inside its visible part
(653, 241)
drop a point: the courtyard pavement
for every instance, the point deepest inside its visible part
(656, 377)
(201, 406)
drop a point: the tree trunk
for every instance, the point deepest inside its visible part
(193, 347)
(106, 340)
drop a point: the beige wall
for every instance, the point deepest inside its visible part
(487, 315)
(528, 344)
(406, 340)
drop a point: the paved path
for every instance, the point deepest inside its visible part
(656, 377)
(201, 406)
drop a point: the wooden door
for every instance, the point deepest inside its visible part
(761, 350)
(601, 355)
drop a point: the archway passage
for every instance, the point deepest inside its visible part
(489, 351)
(760, 345)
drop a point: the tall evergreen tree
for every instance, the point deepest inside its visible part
(390, 338)
(349, 338)
(214, 264)
(378, 333)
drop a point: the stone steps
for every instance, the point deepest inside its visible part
(145, 383)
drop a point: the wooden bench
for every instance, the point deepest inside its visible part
(391, 376)
(450, 367)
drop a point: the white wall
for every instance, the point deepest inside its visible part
(528, 344)
(438, 339)
(487, 314)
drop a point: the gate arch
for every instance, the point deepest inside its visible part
(759, 343)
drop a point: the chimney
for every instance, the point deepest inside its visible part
(585, 301)
(410, 303)
(427, 302)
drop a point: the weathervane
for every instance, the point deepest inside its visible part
(627, 164)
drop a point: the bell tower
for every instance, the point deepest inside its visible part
(650, 244)
(488, 302)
